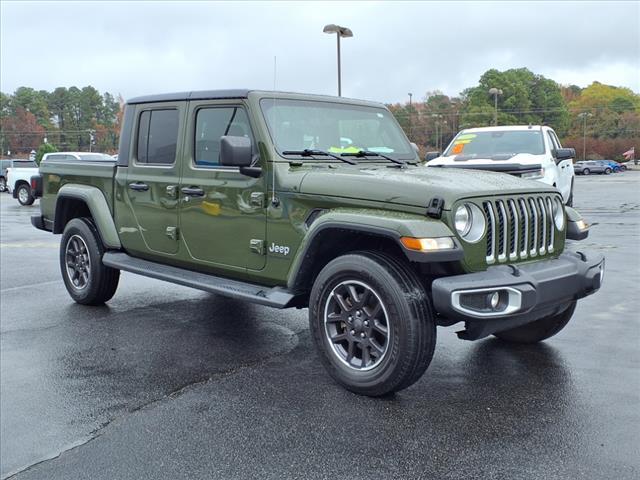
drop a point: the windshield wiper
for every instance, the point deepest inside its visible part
(311, 153)
(367, 153)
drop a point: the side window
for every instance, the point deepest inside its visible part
(553, 143)
(555, 137)
(213, 123)
(157, 137)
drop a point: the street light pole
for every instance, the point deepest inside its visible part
(340, 32)
(584, 116)
(495, 92)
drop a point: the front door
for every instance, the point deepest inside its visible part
(565, 168)
(222, 212)
(153, 179)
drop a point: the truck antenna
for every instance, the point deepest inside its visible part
(274, 200)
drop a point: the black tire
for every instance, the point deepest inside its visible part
(540, 329)
(586, 171)
(88, 281)
(570, 199)
(3, 184)
(607, 171)
(23, 194)
(405, 310)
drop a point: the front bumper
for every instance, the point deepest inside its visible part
(525, 293)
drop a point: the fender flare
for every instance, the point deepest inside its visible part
(98, 206)
(386, 224)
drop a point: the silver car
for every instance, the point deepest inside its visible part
(591, 166)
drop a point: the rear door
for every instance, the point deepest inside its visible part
(222, 212)
(153, 177)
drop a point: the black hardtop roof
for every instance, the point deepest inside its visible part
(200, 95)
(238, 93)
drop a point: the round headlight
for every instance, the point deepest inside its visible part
(558, 214)
(470, 222)
(462, 219)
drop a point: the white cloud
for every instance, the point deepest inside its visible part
(136, 48)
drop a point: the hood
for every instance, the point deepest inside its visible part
(522, 158)
(414, 185)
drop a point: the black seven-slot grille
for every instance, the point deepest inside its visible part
(519, 228)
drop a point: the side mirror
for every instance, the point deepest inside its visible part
(564, 154)
(431, 156)
(235, 151)
(415, 147)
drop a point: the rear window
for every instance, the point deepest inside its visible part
(25, 164)
(157, 137)
(96, 157)
(500, 142)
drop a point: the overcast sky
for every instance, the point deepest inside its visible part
(136, 48)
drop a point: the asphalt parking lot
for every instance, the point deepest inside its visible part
(167, 382)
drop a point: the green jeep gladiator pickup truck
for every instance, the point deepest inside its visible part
(291, 200)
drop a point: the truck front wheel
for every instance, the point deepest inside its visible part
(539, 330)
(88, 281)
(372, 323)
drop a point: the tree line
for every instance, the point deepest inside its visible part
(603, 118)
(68, 119)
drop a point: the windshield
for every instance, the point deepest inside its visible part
(487, 144)
(296, 125)
(25, 164)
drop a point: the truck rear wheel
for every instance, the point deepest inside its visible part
(372, 323)
(24, 195)
(88, 281)
(540, 329)
(3, 184)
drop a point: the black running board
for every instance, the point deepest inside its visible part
(273, 297)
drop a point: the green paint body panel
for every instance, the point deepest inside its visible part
(256, 229)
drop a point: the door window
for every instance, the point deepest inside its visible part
(157, 137)
(213, 123)
(553, 142)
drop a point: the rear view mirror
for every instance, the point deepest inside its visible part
(431, 156)
(235, 151)
(564, 154)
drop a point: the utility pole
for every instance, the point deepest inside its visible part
(584, 116)
(437, 118)
(410, 117)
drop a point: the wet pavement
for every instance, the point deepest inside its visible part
(167, 382)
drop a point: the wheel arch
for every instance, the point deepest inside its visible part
(73, 201)
(17, 185)
(337, 233)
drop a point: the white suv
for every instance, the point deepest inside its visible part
(526, 151)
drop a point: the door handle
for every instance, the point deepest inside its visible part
(139, 186)
(192, 191)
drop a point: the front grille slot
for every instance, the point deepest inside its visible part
(519, 228)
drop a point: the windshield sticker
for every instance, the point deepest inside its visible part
(349, 149)
(457, 148)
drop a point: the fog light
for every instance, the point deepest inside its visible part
(494, 300)
(582, 225)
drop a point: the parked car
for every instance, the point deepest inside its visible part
(588, 167)
(19, 184)
(13, 163)
(615, 166)
(532, 152)
(221, 191)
